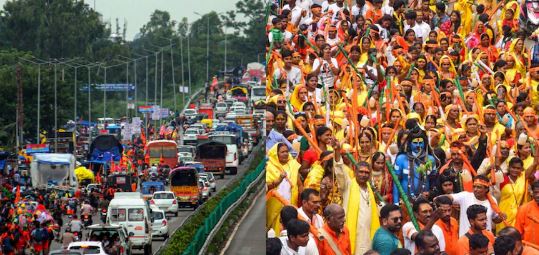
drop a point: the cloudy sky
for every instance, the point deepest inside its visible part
(137, 12)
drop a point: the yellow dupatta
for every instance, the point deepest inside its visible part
(273, 170)
(295, 101)
(512, 197)
(352, 212)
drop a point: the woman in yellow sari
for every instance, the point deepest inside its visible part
(514, 69)
(283, 184)
(447, 68)
(514, 189)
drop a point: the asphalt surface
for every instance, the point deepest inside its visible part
(250, 237)
(173, 222)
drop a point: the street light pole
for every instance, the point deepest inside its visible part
(183, 74)
(208, 51)
(225, 53)
(105, 93)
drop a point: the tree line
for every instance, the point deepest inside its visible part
(47, 32)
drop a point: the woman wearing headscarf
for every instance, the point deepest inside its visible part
(514, 70)
(514, 189)
(447, 68)
(471, 125)
(283, 184)
(487, 48)
(380, 176)
(510, 15)
(298, 97)
(452, 119)
(517, 48)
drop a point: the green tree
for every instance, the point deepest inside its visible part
(51, 29)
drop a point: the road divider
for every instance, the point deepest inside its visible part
(198, 228)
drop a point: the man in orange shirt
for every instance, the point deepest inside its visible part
(517, 237)
(449, 225)
(527, 222)
(336, 235)
(477, 215)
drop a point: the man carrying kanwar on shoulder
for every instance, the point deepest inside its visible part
(336, 239)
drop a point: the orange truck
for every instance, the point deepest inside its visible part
(212, 155)
(206, 109)
(184, 183)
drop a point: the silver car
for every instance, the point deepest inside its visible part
(159, 224)
(205, 189)
(211, 180)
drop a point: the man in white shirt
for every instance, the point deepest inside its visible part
(293, 73)
(304, 4)
(426, 218)
(336, 8)
(411, 23)
(297, 239)
(478, 197)
(423, 26)
(310, 204)
(295, 11)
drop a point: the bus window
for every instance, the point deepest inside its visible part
(169, 152)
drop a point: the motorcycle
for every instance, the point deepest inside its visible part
(103, 215)
(86, 220)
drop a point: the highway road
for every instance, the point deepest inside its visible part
(250, 237)
(174, 222)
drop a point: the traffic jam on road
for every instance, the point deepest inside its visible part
(90, 189)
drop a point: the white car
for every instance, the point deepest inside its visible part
(166, 201)
(191, 134)
(205, 189)
(210, 178)
(159, 224)
(221, 107)
(87, 247)
(190, 113)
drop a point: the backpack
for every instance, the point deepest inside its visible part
(40, 235)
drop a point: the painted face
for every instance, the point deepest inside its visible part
(417, 145)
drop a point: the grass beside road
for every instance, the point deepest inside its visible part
(185, 233)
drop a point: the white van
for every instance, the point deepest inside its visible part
(131, 211)
(258, 93)
(232, 155)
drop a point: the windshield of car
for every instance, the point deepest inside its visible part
(224, 139)
(185, 149)
(86, 249)
(158, 215)
(189, 112)
(191, 132)
(163, 196)
(259, 92)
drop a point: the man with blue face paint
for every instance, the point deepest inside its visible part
(413, 164)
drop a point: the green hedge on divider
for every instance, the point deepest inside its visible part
(217, 213)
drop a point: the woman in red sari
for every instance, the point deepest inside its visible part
(380, 177)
